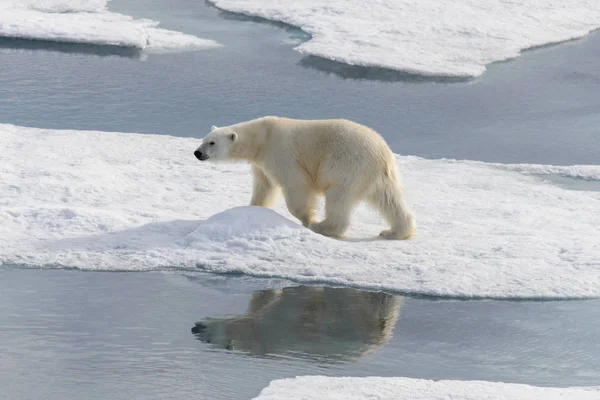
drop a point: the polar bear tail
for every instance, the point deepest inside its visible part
(388, 198)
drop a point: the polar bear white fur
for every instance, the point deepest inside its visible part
(345, 161)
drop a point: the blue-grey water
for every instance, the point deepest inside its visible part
(72, 335)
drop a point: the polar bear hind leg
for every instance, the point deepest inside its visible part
(388, 199)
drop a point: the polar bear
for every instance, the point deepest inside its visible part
(320, 323)
(345, 161)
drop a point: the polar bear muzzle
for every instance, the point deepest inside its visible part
(200, 156)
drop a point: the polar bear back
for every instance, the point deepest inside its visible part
(329, 151)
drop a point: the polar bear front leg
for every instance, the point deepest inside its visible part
(301, 200)
(265, 192)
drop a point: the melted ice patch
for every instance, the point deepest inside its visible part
(380, 388)
(432, 37)
(116, 201)
(89, 22)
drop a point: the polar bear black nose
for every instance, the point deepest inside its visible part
(199, 328)
(199, 155)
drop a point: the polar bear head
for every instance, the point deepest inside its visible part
(215, 146)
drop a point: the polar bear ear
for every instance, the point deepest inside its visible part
(233, 136)
(213, 128)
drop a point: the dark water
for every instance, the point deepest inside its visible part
(543, 107)
(97, 335)
(73, 335)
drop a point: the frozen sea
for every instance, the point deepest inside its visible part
(69, 332)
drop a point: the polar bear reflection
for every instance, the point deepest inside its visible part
(326, 324)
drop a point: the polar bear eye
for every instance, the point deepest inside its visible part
(212, 143)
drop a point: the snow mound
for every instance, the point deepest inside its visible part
(133, 202)
(247, 228)
(380, 388)
(445, 38)
(244, 221)
(89, 22)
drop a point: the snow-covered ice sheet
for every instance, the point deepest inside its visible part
(380, 388)
(456, 38)
(89, 22)
(118, 201)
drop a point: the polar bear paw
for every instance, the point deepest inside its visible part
(395, 235)
(326, 229)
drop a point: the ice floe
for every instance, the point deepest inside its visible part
(392, 388)
(446, 38)
(90, 22)
(134, 202)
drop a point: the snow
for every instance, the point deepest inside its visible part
(135, 202)
(380, 388)
(456, 38)
(89, 22)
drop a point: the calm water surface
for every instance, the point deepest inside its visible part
(72, 335)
